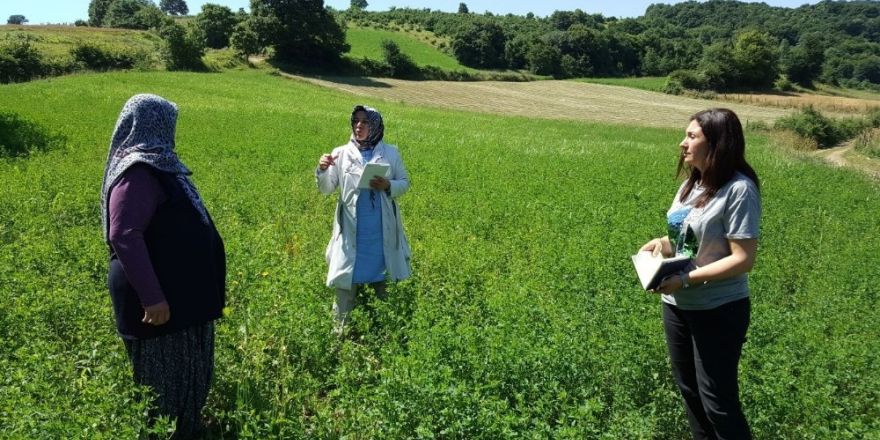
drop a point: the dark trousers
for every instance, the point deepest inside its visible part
(704, 348)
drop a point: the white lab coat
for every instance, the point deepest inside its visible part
(345, 174)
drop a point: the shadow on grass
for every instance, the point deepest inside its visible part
(355, 81)
(20, 137)
(340, 72)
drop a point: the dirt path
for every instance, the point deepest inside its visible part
(845, 156)
(546, 99)
(835, 155)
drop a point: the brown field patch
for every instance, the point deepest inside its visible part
(840, 105)
(547, 99)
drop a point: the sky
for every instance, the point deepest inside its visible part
(68, 11)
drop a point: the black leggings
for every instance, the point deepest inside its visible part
(704, 348)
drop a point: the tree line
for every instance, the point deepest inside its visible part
(718, 44)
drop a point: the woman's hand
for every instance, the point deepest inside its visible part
(670, 284)
(380, 183)
(157, 314)
(326, 161)
(658, 246)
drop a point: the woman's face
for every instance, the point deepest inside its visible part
(695, 146)
(361, 125)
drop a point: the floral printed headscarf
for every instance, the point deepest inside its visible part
(144, 133)
(377, 128)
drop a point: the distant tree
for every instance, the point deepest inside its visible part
(756, 59)
(803, 63)
(97, 11)
(125, 14)
(16, 19)
(80, 23)
(358, 5)
(480, 44)
(402, 66)
(174, 7)
(151, 17)
(183, 47)
(300, 30)
(516, 49)
(245, 40)
(867, 69)
(463, 9)
(544, 58)
(217, 23)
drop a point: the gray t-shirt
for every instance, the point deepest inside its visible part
(702, 233)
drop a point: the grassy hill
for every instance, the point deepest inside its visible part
(366, 42)
(57, 41)
(523, 319)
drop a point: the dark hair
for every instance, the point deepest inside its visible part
(726, 155)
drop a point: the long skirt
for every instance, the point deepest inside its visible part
(178, 367)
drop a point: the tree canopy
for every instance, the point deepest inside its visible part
(300, 30)
(16, 19)
(174, 7)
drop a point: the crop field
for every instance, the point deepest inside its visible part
(367, 43)
(523, 319)
(567, 100)
(826, 103)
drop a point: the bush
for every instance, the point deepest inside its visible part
(783, 84)
(20, 137)
(402, 66)
(688, 79)
(673, 87)
(94, 57)
(20, 60)
(811, 124)
(80, 23)
(183, 47)
(827, 132)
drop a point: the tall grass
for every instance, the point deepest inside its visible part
(523, 319)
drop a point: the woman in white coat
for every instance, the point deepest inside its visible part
(368, 244)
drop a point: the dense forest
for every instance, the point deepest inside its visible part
(718, 44)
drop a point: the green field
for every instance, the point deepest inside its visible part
(523, 319)
(367, 43)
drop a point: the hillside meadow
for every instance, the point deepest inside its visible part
(366, 42)
(524, 318)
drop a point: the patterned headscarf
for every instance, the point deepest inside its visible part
(144, 133)
(377, 128)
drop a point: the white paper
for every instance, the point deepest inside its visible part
(651, 269)
(372, 170)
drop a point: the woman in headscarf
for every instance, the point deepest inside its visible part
(167, 262)
(368, 241)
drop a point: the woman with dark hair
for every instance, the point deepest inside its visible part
(167, 263)
(368, 239)
(714, 219)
